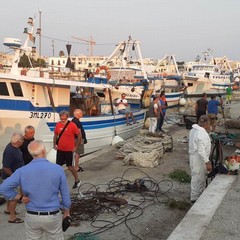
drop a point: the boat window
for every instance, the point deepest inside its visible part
(3, 89)
(17, 90)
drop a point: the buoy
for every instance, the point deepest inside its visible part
(182, 101)
(116, 139)
(236, 79)
(51, 155)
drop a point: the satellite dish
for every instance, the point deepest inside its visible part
(14, 43)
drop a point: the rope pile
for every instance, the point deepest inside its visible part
(122, 199)
(145, 150)
(233, 123)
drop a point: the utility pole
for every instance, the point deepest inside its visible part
(53, 47)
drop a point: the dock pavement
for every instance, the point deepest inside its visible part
(214, 216)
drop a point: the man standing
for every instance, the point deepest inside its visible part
(12, 160)
(41, 183)
(199, 151)
(65, 144)
(163, 104)
(80, 150)
(229, 94)
(122, 105)
(154, 113)
(213, 111)
(28, 137)
(201, 106)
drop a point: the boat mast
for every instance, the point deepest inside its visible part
(39, 32)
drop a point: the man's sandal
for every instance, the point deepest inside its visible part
(8, 213)
(16, 220)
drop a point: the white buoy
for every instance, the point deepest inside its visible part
(117, 139)
(182, 101)
(51, 155)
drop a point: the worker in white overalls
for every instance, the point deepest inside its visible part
(199, 152)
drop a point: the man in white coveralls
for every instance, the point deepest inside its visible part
(199, 152)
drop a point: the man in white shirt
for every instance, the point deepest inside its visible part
(122, 105)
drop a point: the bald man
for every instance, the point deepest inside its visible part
(80, 150)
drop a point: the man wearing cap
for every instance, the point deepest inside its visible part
(199, 152)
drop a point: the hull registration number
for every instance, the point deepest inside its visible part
(40, 115)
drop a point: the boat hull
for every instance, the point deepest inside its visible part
(100, 130)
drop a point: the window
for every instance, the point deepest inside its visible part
(3, 89)
(17, 90)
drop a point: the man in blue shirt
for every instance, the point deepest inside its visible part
(12, 160)
(41, 183)
(213, 111)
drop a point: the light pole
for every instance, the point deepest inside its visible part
(53, 47)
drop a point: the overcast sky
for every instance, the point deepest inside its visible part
(184, 28)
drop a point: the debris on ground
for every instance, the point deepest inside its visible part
(181, 205)
(233, 123)
(180, 175)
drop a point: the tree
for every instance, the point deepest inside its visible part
(24, 61)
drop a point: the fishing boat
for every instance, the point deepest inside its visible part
(166, 77)
(207, 75)
(125, 70)
(31, 97)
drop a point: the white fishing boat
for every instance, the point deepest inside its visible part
(166, 77)
(31, 97)
(125, 70)
(206, 76)
(125, 73)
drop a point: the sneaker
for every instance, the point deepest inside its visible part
(76, 184)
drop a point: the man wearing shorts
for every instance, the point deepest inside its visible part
(122, 105)
(66, 144)
(12, 160)
(213, 111)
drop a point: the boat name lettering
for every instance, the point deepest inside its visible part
(40, 115)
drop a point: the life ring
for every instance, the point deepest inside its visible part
(105, 68)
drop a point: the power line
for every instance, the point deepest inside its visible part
(67, 41)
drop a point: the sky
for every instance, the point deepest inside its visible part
(184, 28)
